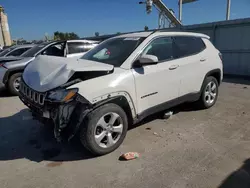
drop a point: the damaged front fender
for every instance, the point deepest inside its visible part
(69, 117)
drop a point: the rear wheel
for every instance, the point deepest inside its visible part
(104, 129)
(209, 93)
(14, 83)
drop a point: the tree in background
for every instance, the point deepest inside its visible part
(146, 28)
(65, 36)
(97, 34)
(118, 33)
(48, 38)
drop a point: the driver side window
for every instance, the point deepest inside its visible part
(161, 48)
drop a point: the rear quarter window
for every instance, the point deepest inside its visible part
(186, 46)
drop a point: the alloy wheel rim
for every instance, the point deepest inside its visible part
(108, 130)
(210, 92)
(16, 83)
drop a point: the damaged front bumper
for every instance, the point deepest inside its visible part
(66, 117)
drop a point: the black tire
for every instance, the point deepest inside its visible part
(202, 103)
(11, 87)
(88, 129)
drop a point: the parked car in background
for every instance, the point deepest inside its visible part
(16, 50)
(120, 82)
(11, 68)
(77, 48)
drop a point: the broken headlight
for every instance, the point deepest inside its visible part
(62, 95)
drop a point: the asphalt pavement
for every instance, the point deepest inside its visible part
(193, 148)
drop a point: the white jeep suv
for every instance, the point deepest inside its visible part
(120, 82)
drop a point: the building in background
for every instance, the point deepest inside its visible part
(5, 39)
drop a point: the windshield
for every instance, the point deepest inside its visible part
(33, 51)
(114, 51)
(3, 53)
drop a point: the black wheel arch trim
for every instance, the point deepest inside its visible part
(211, 73)
(118, 95)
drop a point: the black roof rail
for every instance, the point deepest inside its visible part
(166, 30)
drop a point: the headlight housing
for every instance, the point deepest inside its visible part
(62, 95)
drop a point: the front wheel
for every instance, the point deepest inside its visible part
(209, 93)
(14, 83)
(104, 129)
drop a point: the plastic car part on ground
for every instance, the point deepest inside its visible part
(129, 156)
(168, 115)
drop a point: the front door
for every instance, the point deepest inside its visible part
(157, 84)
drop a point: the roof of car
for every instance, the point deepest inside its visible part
(181, 33)
(25, 46)
(138, 34)
(164, 32)
(83, 40)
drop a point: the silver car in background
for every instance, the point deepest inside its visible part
(16, 50)
(11, 68)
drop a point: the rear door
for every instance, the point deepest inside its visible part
(190, 53)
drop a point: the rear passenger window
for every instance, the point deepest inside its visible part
(78, 47)
(185, 46)
(161, 48)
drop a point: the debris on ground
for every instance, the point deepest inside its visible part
(156, 134)
(164, 130)
(245, 87)
(129, 156)
(54, 164)
(180, 136)
(148, 128)
(168, 115)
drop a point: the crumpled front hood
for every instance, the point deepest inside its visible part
(48, 72)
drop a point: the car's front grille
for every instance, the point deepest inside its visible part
(31, 94)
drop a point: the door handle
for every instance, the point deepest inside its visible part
(202, 59)
(172, 67)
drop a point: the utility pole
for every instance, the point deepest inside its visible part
(180, 3)
(180, 10)
(164, 12)
(228, 9)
